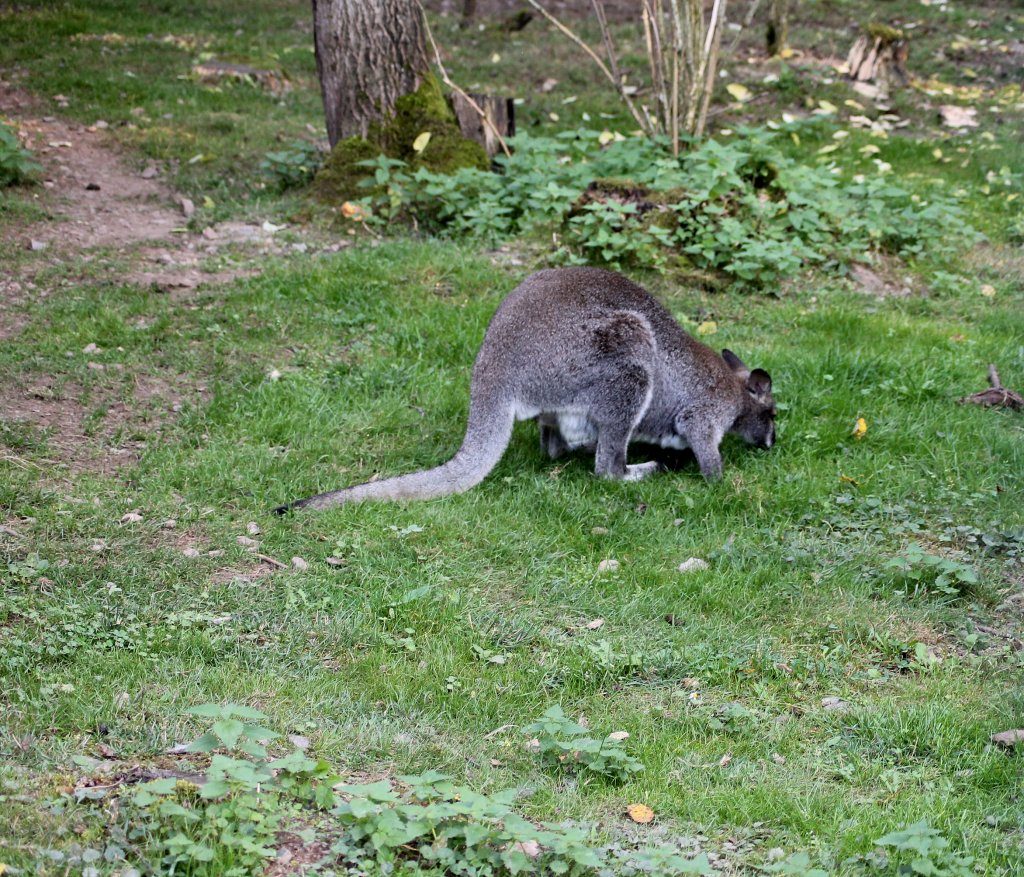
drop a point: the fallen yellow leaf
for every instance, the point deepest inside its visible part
(739, 91)
(708, 327)
(640, 813)
(420, 143)
(353, 211)
(861, 429)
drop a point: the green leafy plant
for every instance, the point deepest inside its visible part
(741, 208)
(933, 572)
(427, 821)
(228, 822)
(232, 729)
(16, 163)
(921, 849)
(564, 744)
(797, 865)
(293, 166)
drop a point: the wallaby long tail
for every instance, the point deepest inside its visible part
(487, 435)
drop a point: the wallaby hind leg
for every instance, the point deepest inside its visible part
(551, 440)
(616, 414)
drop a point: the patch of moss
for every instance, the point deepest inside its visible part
(424, 110)
(338, 180)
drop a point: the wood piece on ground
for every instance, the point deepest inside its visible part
(997, 396)
(879, 56)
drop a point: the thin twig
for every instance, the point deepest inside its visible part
(711, 46)
(448, 81)
(266, 558)
(497, 731)
(993, 377)
(597, 60)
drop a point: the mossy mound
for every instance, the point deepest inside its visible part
(424, 110)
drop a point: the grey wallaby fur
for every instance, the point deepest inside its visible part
(599, 363)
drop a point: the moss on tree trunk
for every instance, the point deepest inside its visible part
(425, 109)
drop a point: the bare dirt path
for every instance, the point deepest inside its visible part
(107, 221)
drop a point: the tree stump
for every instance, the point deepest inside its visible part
(880, 56)
(500, 113)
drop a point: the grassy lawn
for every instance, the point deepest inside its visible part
(835, 673)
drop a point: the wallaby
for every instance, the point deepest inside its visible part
(599, 363)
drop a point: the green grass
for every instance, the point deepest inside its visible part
(104, 648)
(797, 604)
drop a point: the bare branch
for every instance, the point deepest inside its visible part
(640, 120)
(448, 81)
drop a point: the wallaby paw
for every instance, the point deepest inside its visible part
(640, 471)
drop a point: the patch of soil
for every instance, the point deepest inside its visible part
(882, 279)
(99, 200)
(61, 414)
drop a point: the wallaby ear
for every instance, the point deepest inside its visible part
(734, 362)
(759, 384)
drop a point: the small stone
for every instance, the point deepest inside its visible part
(596, 624)
(169, 524)
(693, 563)
(187, 207)
(1008, 739)
(618, 736)
(334, 561)
(252, 528)
(300, 564)
(609, 565)
(94, 366)
(836, 704)
(92, 348)
(137, 111)
(678, 522)
(778, 759)
(217, 552)
(132, 517)
(191, 552)
(299, 741)
(149, 172)
(101, 124)
(247, 543)
(599, 531)
(36, 246)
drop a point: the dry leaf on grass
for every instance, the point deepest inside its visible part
(958, 117)
(640, 813)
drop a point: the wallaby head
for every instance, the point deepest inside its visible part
(755, 423)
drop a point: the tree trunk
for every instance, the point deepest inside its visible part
(778, 27)
(468, 13)
(369, 53)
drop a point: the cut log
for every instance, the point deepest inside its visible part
(880, 56)
(501, 117)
